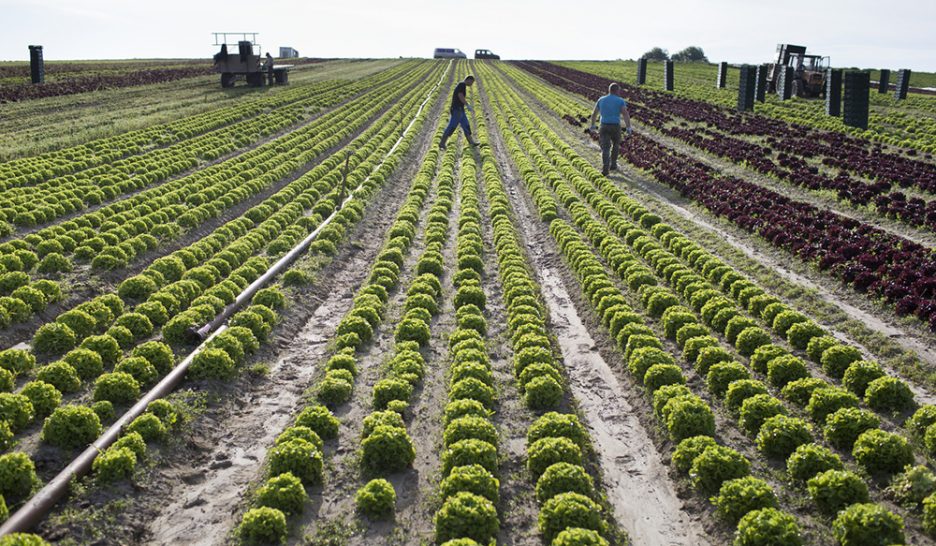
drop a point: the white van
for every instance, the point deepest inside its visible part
(448, 53)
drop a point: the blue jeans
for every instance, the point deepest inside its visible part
(458, 118)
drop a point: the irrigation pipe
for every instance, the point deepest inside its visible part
(36, 508)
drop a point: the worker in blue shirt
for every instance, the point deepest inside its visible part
(611, 107)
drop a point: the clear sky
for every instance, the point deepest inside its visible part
(865, 33)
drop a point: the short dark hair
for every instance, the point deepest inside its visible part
(469, 77)
(613, 87)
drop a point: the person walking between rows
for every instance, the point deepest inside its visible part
(457, 112)
(611, 107)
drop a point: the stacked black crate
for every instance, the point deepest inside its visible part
(746, 80)
(855, 107)
(641, 71)
(722, 75)
(833, 94)
(668, 75)
(903, 84)
(884, 81)
(36, 64)
(785, 83)
(760, 86)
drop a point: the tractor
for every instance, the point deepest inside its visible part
(246, 61)
(809, 71)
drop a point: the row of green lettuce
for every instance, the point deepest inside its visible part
(877, 452)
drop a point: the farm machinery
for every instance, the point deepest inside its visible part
(245, 61)
(809, 71)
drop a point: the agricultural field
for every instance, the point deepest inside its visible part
(909, 123)
(286, 316)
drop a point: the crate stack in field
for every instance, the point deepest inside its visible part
(746, 81)
(722, 75)
(668, 75)
(36, 64)
(833, 92)
(760, 86)
(855, 107)
(641, 71)
(903, 84)
(884, 81)
(785, 82)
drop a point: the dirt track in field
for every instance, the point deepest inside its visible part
(644, 500)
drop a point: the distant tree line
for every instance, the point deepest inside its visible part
(690, 54)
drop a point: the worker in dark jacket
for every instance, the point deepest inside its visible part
(268, 65)
(457, 112)
(611, 107)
